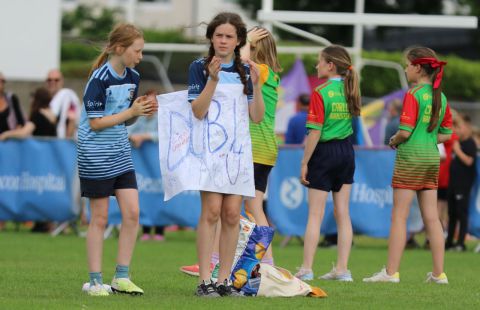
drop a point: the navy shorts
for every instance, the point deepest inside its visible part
(105, 188)
(332, 164)
(260, 174)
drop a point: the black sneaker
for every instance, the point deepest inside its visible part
(448, 246)
(412, 244)
(207, 289)
(226, 289)
(329, 241)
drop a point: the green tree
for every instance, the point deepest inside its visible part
(85, 23)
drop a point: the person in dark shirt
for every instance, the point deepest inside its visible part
(394, 110)
(462, 176)
(296, 130)
(11, 114)
(42, 121)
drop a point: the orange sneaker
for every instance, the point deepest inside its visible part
(194, 270)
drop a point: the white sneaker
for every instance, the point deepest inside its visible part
(477, 248)
(334, 275)
(382, 276)
(304, 274)
(97, 289)
(441, 279)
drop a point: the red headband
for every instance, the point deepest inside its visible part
(434, 63)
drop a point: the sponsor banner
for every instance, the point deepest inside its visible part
(38, 180)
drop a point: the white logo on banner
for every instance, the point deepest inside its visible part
(213, 154)
(362, 193)
(291, 193)
(33, 183)
(149, 185)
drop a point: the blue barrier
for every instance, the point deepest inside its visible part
(370, 199)
(474, 215)
(38, 181)
(183, 209)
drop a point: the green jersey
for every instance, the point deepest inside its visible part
(328, 111)
(264, 143)
(417, 161)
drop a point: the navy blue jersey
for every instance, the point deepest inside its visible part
(106, 153)
(197, 78)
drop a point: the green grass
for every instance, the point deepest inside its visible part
(41, 272)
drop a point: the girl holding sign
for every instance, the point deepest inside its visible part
(227, 34)
(425, 121)
(328, 161)
(104, 158)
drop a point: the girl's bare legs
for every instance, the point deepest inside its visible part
(255, 207)
(230, 214)
(442, 207)
(216, 243)
(402, 199)
(344, 226)
(211, 206)
(427, 199)
(129, 206)
(316, 209)
(96, 228)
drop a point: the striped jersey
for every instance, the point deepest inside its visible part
(106, 153)
(417, 160)
(264, 142)
(197, 78)
(328, 111)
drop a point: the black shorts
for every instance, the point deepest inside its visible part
(332, 164)
(260, 174)
(442, 194)
(105, 188)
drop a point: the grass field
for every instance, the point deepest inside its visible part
(41, 272)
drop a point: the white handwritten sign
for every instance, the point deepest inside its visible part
(213, 154)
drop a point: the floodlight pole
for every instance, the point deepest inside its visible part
(358, 35)
(129, 7)
(267, 6)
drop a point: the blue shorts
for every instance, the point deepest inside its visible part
(104, 188)
(332, 164)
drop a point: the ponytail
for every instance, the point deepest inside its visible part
(101, 59)
(208, 60)
(436, 103)
(352, 91)
(339, 56)
(237, 61)
(433, 67)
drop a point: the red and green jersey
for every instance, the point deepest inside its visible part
(417, 161)
(264, 143)
(328, 111)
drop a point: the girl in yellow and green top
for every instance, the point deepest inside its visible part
(425, 121)
(261, 49)
(329, 162)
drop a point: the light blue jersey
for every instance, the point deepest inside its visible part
(106, 153)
